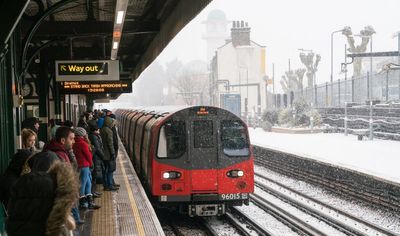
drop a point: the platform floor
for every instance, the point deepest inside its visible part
(377, 158)
(123, 212)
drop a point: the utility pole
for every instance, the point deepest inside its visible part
(398, 58)
(345, 74)
(371, 93)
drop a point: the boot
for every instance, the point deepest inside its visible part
(83, 203)
(92, 205)
(96, 194)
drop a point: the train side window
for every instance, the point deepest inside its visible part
(172, 140)
(234, 138)
(203, 133)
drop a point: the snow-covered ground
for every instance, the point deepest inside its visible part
(380, 158)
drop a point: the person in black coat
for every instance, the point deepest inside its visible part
(12, 173)
(40, 201)
(98, 154)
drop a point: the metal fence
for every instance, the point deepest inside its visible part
(382, 86)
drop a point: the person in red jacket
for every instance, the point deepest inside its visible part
(84, 159)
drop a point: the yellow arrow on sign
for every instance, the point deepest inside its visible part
(63, 68)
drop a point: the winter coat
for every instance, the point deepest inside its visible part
(98, 154)
(115, 138)
(100, 122)
(82, 123)
(58, 149)
(98, 149)
(40, 202)
(12, 173)
(108, 140)
(82, 153)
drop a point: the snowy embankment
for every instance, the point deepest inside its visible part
(380, 158)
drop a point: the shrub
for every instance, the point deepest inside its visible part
(316, 116)
(266, 125)
(286, 117)
(271, 116)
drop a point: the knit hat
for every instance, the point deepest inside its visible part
(79, 131)
(93, 125)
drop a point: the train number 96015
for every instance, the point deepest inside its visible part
(233, 196)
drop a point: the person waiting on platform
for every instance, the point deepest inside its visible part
(28, 139)
(62, 143)
(82, 122)
(12, 173)
(84, 159)
(33, 124)
(98, 154)
(40, 201)
(109, 153)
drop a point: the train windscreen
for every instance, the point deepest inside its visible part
(203, 133)
(234, 139)
(172, 140)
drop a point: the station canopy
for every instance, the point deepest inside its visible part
(85, 29)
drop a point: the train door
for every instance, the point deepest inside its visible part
(203, 154)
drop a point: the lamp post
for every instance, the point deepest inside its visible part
(334, 32)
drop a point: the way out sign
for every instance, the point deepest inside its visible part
(107, 70)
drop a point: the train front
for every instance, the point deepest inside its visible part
(203, 162)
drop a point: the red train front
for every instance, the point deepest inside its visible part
(197, 159)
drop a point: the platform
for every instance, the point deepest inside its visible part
(377, 158)
(123, 212)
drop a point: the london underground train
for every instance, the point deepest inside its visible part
(196, 159)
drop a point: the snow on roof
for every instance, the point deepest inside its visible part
(380, 158)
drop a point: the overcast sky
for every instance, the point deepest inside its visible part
(284, 26)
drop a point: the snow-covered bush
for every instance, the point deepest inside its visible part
(266, 125)
(317, 117)
(271, 116)
(299, 115)
(285, 117)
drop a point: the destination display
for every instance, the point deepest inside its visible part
(89, 87)
(96, 70)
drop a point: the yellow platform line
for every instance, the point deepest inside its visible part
(135, 211)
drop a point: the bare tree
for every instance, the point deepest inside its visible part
(192, 87)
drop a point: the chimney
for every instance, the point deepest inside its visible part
(240, 33)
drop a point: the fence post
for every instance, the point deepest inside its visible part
(352, 89)
(345, 119)
(315, 96)
(326, 94)
(339, 92)
(387, 85)
(370, 121)
(368, 86)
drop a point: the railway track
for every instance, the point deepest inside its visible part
(340, 220)
(336, 186)
(236, 216)
(290, 220)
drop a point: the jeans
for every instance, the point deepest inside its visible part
(75, 214)
(86, 182)
(107, 174)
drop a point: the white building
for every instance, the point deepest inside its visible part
(241, 61)
(216, 31)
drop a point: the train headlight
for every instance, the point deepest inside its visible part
(235, 173)
(165, 175)
(171, 175)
